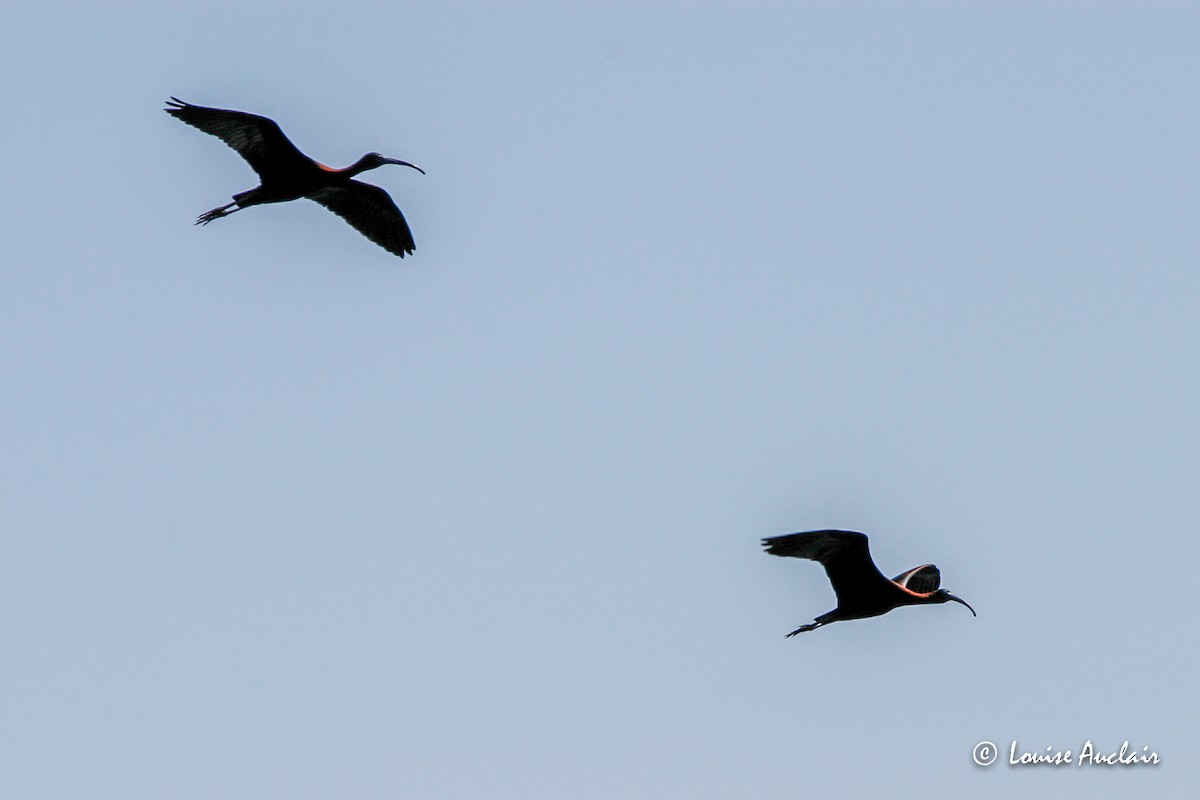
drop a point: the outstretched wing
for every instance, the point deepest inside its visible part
(256, 139)
(372, 213)
(844, 554)
(922, 579)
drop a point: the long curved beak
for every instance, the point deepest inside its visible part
(403, 164)
(960, 600)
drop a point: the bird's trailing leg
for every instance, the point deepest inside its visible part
(805, 628)
(824, 619)
(216, 213)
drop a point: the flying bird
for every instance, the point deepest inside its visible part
(287, 174)
(861, 589)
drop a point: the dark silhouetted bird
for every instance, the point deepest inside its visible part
(287, 174)
(861, 589)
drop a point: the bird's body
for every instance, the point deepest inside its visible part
(862, 590)
(288, 174)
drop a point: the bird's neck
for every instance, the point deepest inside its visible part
(362, 165)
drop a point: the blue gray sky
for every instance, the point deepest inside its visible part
(288, 517)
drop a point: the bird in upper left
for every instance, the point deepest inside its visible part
(285, 174)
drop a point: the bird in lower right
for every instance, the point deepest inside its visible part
(862, 590)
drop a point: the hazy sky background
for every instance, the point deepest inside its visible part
(288, 517)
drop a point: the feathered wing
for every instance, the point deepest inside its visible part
(257, 139)
(922, 580)
(844, 554)
(372, 213)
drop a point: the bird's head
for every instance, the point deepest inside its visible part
(942, 596)
(373, 160)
